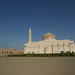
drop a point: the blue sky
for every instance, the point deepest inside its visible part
(17, 16)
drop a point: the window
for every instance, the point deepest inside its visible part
(28, 52)
(57, 45)
(68, 51)
(56, 51)
(2, 52)
(62, 51)
(37, 52)
(9, 52)
(32, 52)
(5, 52)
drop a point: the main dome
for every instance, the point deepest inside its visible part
(48, 36)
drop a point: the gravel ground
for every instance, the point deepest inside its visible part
(37, 65)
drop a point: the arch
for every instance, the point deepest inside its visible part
(45, 50)
(7, 52)
(2, 52)
(10, 52)
(63, 46)
(52, 47)
(62, 51)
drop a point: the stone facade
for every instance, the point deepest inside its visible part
(5, 52)
(49, 45)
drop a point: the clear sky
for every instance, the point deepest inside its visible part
(17, 16)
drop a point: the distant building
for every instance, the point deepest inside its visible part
(5, 52)
(49, 44)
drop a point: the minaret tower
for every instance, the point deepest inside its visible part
(29, 35)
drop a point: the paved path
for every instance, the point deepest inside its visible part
(37, 65)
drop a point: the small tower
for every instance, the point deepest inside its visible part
(29, 35)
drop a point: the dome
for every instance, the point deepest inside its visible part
(48, 36)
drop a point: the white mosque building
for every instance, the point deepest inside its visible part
(49, 44)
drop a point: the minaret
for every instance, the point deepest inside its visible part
(29, 35)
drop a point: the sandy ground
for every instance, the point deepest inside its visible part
(37, 65)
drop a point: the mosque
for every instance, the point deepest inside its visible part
(49, 44)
